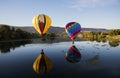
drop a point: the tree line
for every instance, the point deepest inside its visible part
(114, 32)
(101, 36)
(8, 33)
(12, 33)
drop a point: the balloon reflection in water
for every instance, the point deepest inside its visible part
(73, 55)
(42, 64)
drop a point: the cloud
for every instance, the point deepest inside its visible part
(81, 4)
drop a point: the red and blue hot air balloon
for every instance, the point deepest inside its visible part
(72, 29)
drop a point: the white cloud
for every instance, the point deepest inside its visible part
(81, 4)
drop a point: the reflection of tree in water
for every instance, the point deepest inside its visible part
(6, 46)
(93, 60)
(97, 39)
(48, 37)
(113, 43)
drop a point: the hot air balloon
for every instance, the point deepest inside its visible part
(72, 29)
(41, 23)
(73, 55)
(42, 64)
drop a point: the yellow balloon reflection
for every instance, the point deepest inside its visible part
(42, 64)
(73, 54)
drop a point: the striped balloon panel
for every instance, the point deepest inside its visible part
(72, 29)
(41, 23)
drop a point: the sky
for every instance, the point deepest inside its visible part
(88, 13)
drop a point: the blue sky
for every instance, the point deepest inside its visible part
(89, 13)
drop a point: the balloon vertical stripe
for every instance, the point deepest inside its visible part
(44, 22)
(41, 27)
(48, 23)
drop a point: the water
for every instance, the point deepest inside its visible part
(91, 59)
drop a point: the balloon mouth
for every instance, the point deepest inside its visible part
(73, 38)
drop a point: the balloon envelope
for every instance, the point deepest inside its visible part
(72, 29)
(41, 23)
(73, 55)
(42, 64)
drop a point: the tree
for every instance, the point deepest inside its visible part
(52, 36)
(5, 32)
(114, 32)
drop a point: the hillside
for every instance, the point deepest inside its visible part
(58, 29)
(61, 29)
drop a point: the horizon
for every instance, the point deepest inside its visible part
(63, 27)
(88, 13)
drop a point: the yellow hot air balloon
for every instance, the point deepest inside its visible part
(42, 64)
(41, 23)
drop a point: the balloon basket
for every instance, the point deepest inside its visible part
(73, 42)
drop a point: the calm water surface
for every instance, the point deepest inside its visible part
(85, 59)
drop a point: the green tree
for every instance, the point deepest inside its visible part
(5, 32)
(52, 36)
(114, 32)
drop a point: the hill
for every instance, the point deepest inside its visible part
(61, 29)
(58, 29)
